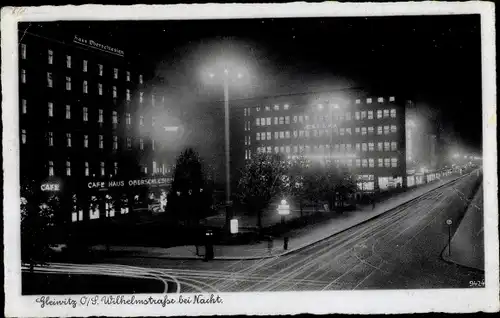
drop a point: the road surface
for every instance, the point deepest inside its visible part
(399, 249)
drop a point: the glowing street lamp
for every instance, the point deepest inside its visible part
(226, 76)
(283, 210)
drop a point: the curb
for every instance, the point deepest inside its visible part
(240, 258)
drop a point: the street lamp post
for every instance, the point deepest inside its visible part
(226, 125)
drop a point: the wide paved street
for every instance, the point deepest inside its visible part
(400, 249)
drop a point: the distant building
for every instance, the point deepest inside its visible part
(87, 119)
(364, 133)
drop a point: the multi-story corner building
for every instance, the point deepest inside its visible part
(87, 120)
(364, 133)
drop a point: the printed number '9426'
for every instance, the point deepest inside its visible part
(476, 283)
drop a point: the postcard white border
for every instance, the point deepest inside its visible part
(388, 301)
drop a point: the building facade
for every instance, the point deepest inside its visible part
(87, 121)
(361, 132)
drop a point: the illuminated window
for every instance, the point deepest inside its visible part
(371, 162)
(115, 92)
(368, 100)
(356, 115)
(257, 109)
(100, 119)
(348, 131)
(68, 83)
(286, 107)
(393, 113)
(370, 130)
(380, 162)
(342, 131)
(357, 130)
(387, 146)
(379, 114)
(363, 114)
(276, 107)
(51, 138)
(363, 131)
(257, 136)
(287, 120)
(371, 146)
(153, 144)
(128, 119)
(101, 69)
(394, 146)
(287, 149)
(306, 118)
(358, 163)
(23, 51)
(358, 147)
(115, 166)
(23, 76)
(103, 171)
(68, 112)
(23, 136)
(282, 120)
(348, 147)
(244, 112)
(85, 114)
(51, 109)
(268, 108)
(140, 79)
(85, 87)
(370, 114)
(386, 113)
(51, 168)
(141, 144)
(115, 73)
(268, 135)
(391, 98)
(129, 143)
(128, 76)
(386, 130)
(268, 121)
(85, 141)
(358, 101)
(114, 118)
(348, 116)
(364, 147)
(379, 130)
(257, 121)
(68, 168)
(85, 65)
(141, 120)
(394, 129)
(101, 141)
(287, 134)
(276, 119)
(68, 61)
(394, 162)
(51, 57)
(87, 169)
(99, 89)
(141, 97)
(380, 146)
(380, 99)
(387, 162)
(49, 79)
(115, 142)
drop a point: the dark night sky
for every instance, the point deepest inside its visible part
(434, 59)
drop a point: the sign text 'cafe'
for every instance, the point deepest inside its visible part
(130, 183)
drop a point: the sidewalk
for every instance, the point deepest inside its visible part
(467, 244)
(298, 239)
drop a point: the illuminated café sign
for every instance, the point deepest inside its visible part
(96, 45)
(130, 183)
(50, 186)
(318, 126)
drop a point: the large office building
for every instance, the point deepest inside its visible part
(90, 121)
(361, 132)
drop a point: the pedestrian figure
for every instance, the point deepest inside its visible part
(270, 244)
(373, 204)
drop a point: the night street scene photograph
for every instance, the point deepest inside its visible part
(251, 155)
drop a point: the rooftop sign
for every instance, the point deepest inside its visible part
(130, 183)
(98, 46)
